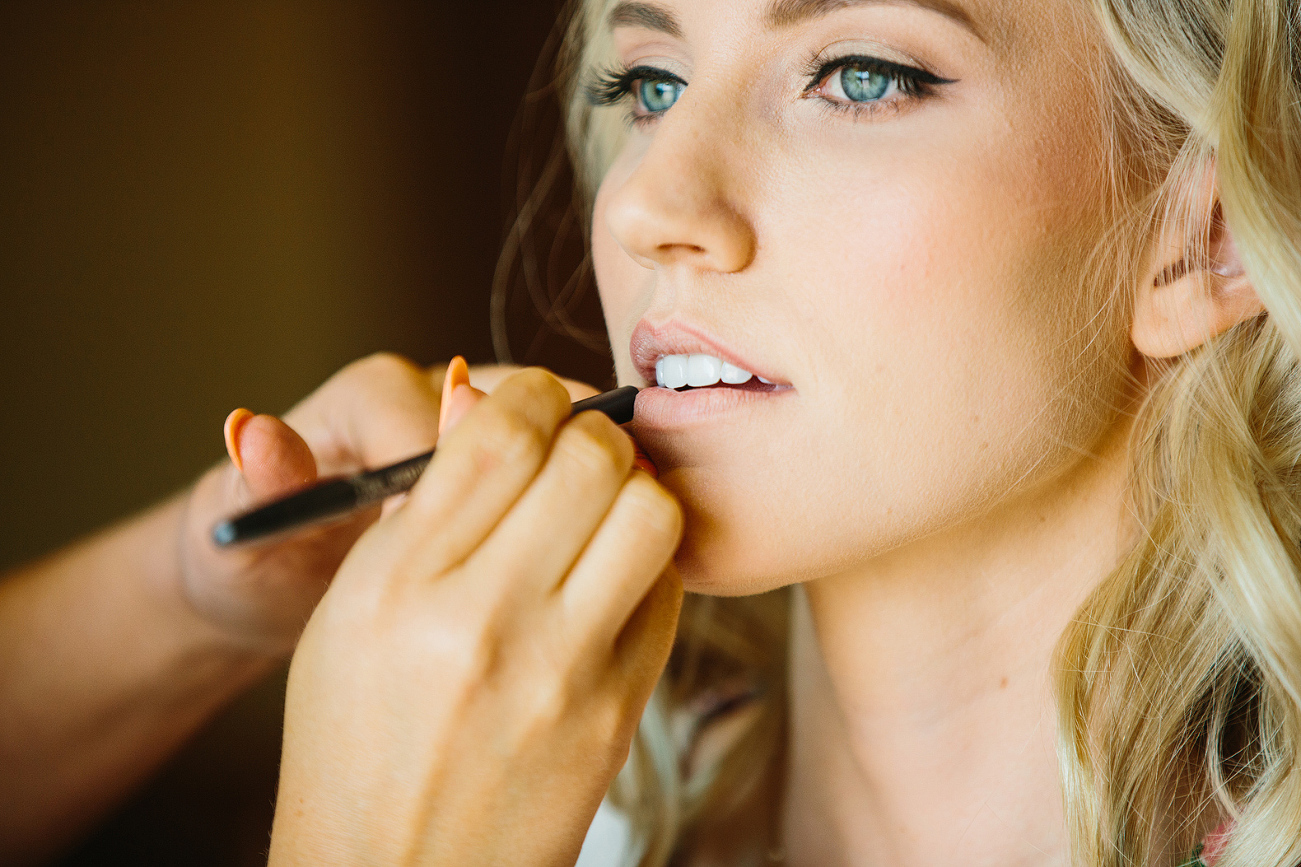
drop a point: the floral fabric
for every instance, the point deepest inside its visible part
(1210, 849)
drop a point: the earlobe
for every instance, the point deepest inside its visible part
(1197, 287)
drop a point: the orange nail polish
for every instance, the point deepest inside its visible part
(458, 373)
(234, 424)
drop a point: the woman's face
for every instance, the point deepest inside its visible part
(885, 208)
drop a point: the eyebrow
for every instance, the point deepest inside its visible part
(647, 15)
(782, 13)
(785, 13)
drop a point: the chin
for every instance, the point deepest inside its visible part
(743, 540)
(723, 554)
(706, 576)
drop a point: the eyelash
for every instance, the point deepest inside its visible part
(614, 86)
(914, 84)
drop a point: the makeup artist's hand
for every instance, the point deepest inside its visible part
(373, 412)
(470, 684)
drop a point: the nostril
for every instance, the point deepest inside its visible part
(661, 224)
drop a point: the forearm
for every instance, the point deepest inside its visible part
(104, 672)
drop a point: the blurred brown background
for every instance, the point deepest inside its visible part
(217, 204)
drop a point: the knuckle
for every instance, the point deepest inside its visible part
(467, 649)
(541, 379)
(385, 366)
(533, 377)
(507, 436)
(550, 700)
(595, 448)
(614, 721)
(541, 386)
(541, 705)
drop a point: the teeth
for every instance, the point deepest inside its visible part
(734, 375)
(671, 371)
(675, 371)
(765, 381)
(703, 370)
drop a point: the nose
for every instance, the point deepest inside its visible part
(679, 206)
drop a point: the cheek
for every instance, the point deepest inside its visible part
(624, 286)
(914, 298)
(949, 361)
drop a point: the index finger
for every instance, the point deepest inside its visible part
(488, 376)
(483, 467)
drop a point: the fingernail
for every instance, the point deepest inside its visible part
(457, 374)
(234, 424)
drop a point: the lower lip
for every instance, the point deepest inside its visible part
(659, 408)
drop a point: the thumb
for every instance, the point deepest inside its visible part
(270, 455)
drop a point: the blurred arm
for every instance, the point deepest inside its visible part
(104, 673)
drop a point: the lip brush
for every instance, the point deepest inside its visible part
(336, 497)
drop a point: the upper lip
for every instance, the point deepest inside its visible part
(652, 342)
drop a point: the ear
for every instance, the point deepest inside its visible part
(1196, 287)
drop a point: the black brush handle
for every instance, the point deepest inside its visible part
(317, 503)
(338, 497)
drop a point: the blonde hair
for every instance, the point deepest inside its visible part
(1179, 683)
(1179, 692)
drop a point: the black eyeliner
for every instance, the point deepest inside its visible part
(332, 498)
(912, 80)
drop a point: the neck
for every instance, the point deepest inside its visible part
(923, 721)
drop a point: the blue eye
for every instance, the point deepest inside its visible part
(651, 91)
(864, 85)
(868, 84)
(658, 95)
